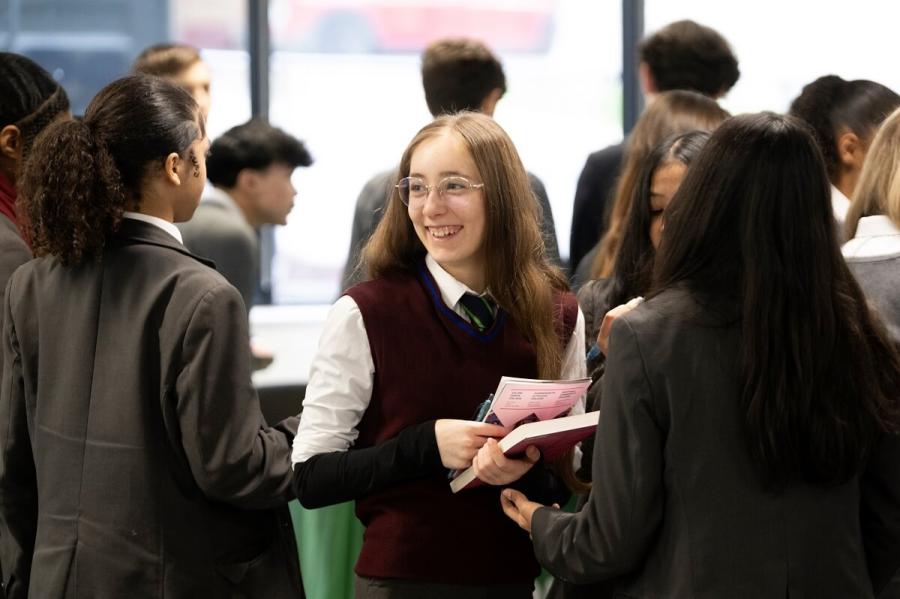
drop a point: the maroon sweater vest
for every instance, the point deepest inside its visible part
(430, 364)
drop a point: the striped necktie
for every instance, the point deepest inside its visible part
(479, 309)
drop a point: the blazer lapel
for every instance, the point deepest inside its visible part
(133, 232)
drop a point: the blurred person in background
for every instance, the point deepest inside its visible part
(672, 112)
(844, 116)
(457, 74)
(682, 55)
(249, 170)
(182, 65)
(873, 226)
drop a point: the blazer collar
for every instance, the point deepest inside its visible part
(132, 232)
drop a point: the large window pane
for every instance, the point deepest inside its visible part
(345, 78)
(86, 44)
(782, 46)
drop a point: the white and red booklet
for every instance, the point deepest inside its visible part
(538, 411)
(552, 437)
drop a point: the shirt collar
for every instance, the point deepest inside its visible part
(876, 236)
(165, 225)
(839, 203)
(451, 289)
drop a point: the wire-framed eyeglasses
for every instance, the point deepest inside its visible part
(413, 190)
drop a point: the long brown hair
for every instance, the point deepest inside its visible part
(752, 225)
(517, 272)
(671, 113)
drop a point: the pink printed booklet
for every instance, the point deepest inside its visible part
(552, 437)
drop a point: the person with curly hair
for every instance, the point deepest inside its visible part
(134, 459)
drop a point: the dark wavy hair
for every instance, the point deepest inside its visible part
(30, 98)
(830, 104)
(83, 174)
(633, 272)
(687, 55)
(752, 226)
(255, 145)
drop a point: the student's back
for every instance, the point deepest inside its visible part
(135, 461)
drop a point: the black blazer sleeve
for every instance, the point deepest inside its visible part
(615, 529)
(18, 480)
(880, 512)
(233, 455)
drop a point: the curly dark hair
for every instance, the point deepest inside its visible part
(255, 145)
(687, 55)
(30, 98)
(83, 174)
(830, 104)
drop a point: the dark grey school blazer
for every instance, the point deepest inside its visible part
(677, 509)
(134, 460)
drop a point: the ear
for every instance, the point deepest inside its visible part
(646, 79)
(11, 142)
(489, 104)
(247, 179)
(174, 169)
(851, 150)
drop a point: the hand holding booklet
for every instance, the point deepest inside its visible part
(537, 411)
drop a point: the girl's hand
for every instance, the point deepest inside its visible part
(517, 507)
(459, 440)
(494, 468)
(610, 318)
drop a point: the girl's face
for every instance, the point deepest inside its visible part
(666, 181)
(451, 225)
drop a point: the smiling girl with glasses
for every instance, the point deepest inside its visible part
(461, 293)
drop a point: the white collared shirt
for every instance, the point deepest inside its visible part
(342, 372)
(876, 238)
(840, 204)
(165, 225)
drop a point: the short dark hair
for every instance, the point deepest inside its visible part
(830, 104)
(30, 98)
(165, 60)
(255, 145)
(687, 55)
(458, 74)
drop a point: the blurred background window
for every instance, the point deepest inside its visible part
(85, 44)
(782, 46)
(345, 78)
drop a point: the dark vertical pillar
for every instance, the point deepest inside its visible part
(632, 32)
(260, 50)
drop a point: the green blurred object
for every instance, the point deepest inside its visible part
(329, 540)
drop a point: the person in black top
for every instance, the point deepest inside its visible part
(682, 55)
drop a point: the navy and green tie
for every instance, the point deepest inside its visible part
(479, 309)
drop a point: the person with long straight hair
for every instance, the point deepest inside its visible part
(134, 460)
(461, 293)
(671, 113)
(748, 444)
(873, 225)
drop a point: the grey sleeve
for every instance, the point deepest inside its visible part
(233, 455)
(369, 210)
(548, 228)
(612, 533)
(18, 479)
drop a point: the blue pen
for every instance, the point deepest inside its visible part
(594, 352)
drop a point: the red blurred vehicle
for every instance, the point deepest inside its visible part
(367, 26)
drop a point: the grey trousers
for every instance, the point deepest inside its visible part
(379, 588)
